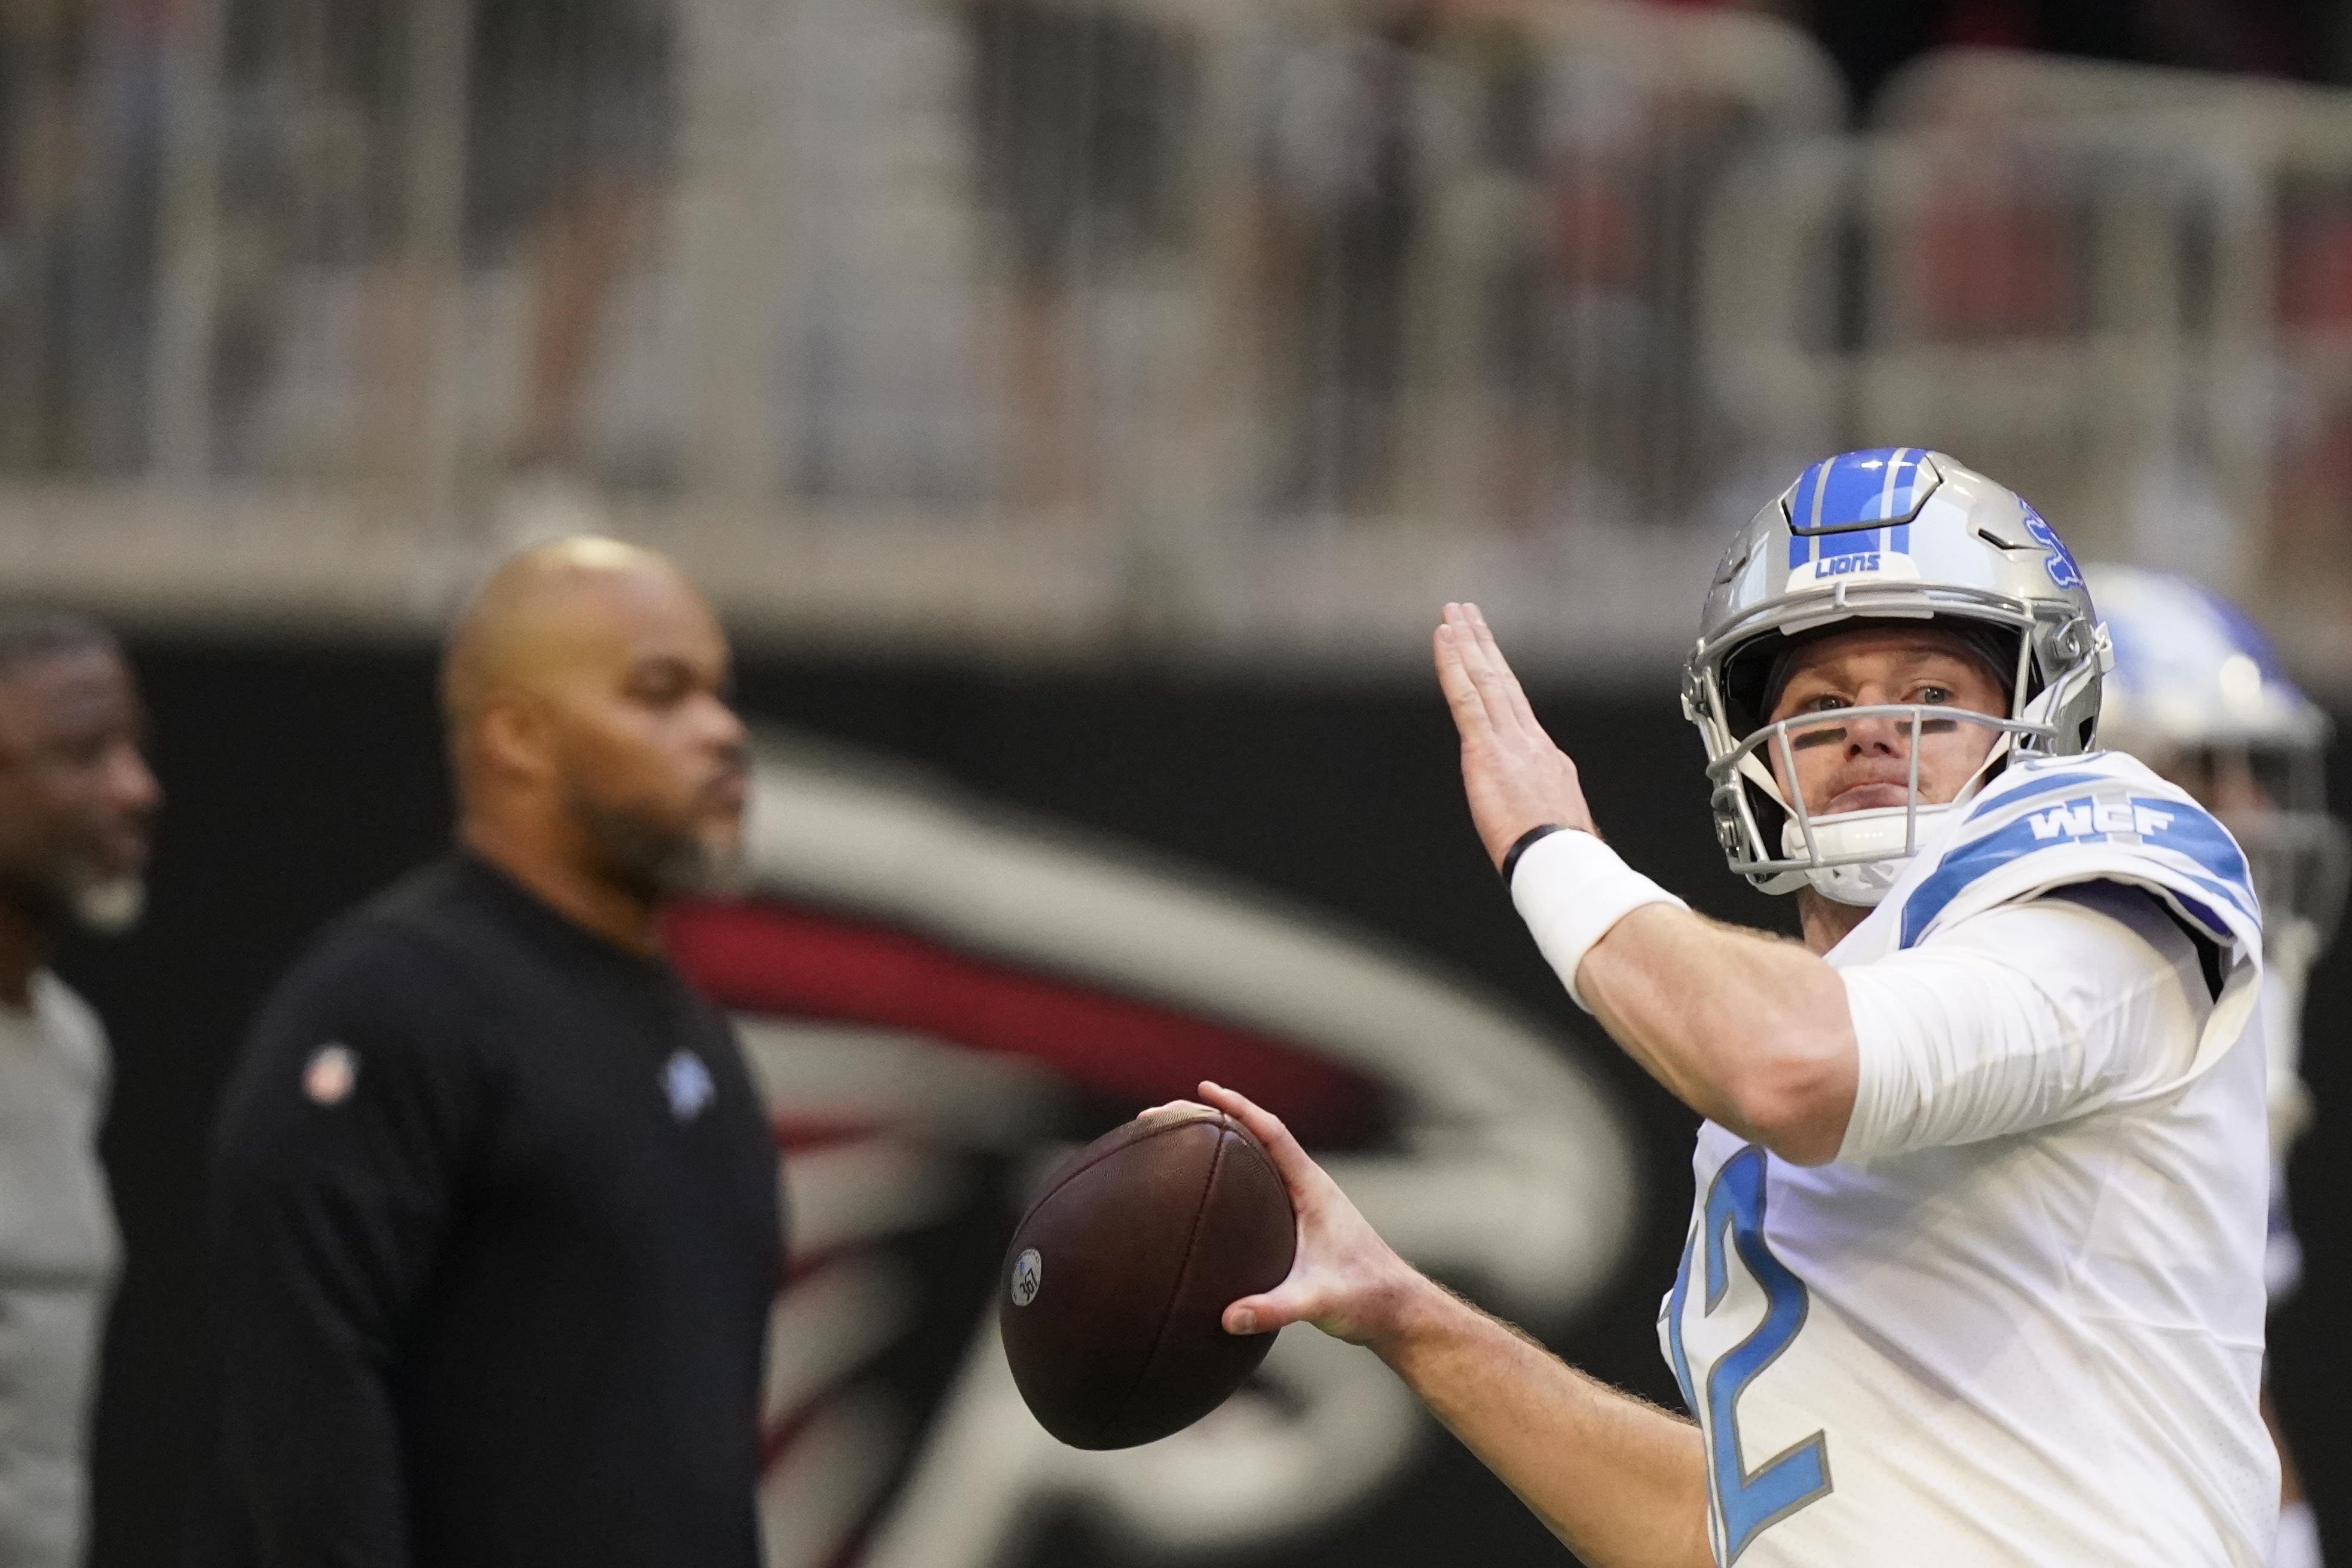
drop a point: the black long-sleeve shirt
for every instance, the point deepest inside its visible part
(497, 1231)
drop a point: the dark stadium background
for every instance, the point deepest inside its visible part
(303, 777)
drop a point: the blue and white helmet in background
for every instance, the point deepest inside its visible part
(1897, 533)
(2196, 694)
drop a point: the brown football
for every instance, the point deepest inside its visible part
(1117, 1276)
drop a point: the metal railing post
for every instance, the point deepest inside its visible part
(187, 274)
(433, 211)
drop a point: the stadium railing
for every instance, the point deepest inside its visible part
(1062, 324)
(2121, 288)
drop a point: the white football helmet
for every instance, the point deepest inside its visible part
(2198, 695)
(1896, 534)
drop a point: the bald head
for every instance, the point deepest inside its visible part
(583, 687)
(544, 612)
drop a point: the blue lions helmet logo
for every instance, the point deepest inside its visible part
(2062, 570)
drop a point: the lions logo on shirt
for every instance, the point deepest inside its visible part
(688, 1083)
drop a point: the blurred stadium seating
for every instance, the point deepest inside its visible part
(2120, 287)
(1076, 326)
(1016, 324)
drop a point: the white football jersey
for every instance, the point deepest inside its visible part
(2027, 1328)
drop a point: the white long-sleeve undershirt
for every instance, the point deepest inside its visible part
(2027, 1014)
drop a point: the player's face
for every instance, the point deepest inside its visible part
(1857, 765)
(652, 755)
(78, 801)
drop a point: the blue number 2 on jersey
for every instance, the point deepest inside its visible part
(1747, 1501)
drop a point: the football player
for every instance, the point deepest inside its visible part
(1973, 1275)
(2198, 695)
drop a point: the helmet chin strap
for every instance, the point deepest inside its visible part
(1846, 836)
(1866, 883)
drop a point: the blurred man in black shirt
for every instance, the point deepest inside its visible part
(495, 1202)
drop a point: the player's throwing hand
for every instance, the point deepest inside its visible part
(1346, 1280)
(1515, 776)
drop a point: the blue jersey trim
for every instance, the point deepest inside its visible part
(1985, 807)
(2190, 833)
(2213, 925)
(2207, 842)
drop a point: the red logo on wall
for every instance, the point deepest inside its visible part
(937, 1000)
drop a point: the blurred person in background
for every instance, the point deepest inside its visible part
(1076, 114)
(77, 801)
(496, 1203)
(82, 111)
(2198, 695)
(570, 119)
(1342, 209)
(1576, 347)
(573, 115)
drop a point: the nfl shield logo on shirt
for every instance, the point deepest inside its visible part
(688, 1083)
(330, 1074)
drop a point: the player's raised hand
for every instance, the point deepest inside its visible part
(1515, 776)
(1345, 1279)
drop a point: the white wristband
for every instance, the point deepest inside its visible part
(1571, 888)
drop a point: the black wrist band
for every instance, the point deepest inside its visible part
(1520, 846)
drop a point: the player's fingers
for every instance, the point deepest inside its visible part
(1309, 1185)
(1470, 716)
(1482, 660)
(1260, 1122)
(1497, 684)
(1297, 1299)
(1261, 1314)
(1173, 1105)
(1521, 710)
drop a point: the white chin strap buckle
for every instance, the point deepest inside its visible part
(1863, 884)
(1868, 848)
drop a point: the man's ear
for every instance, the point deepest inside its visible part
(513, 737)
